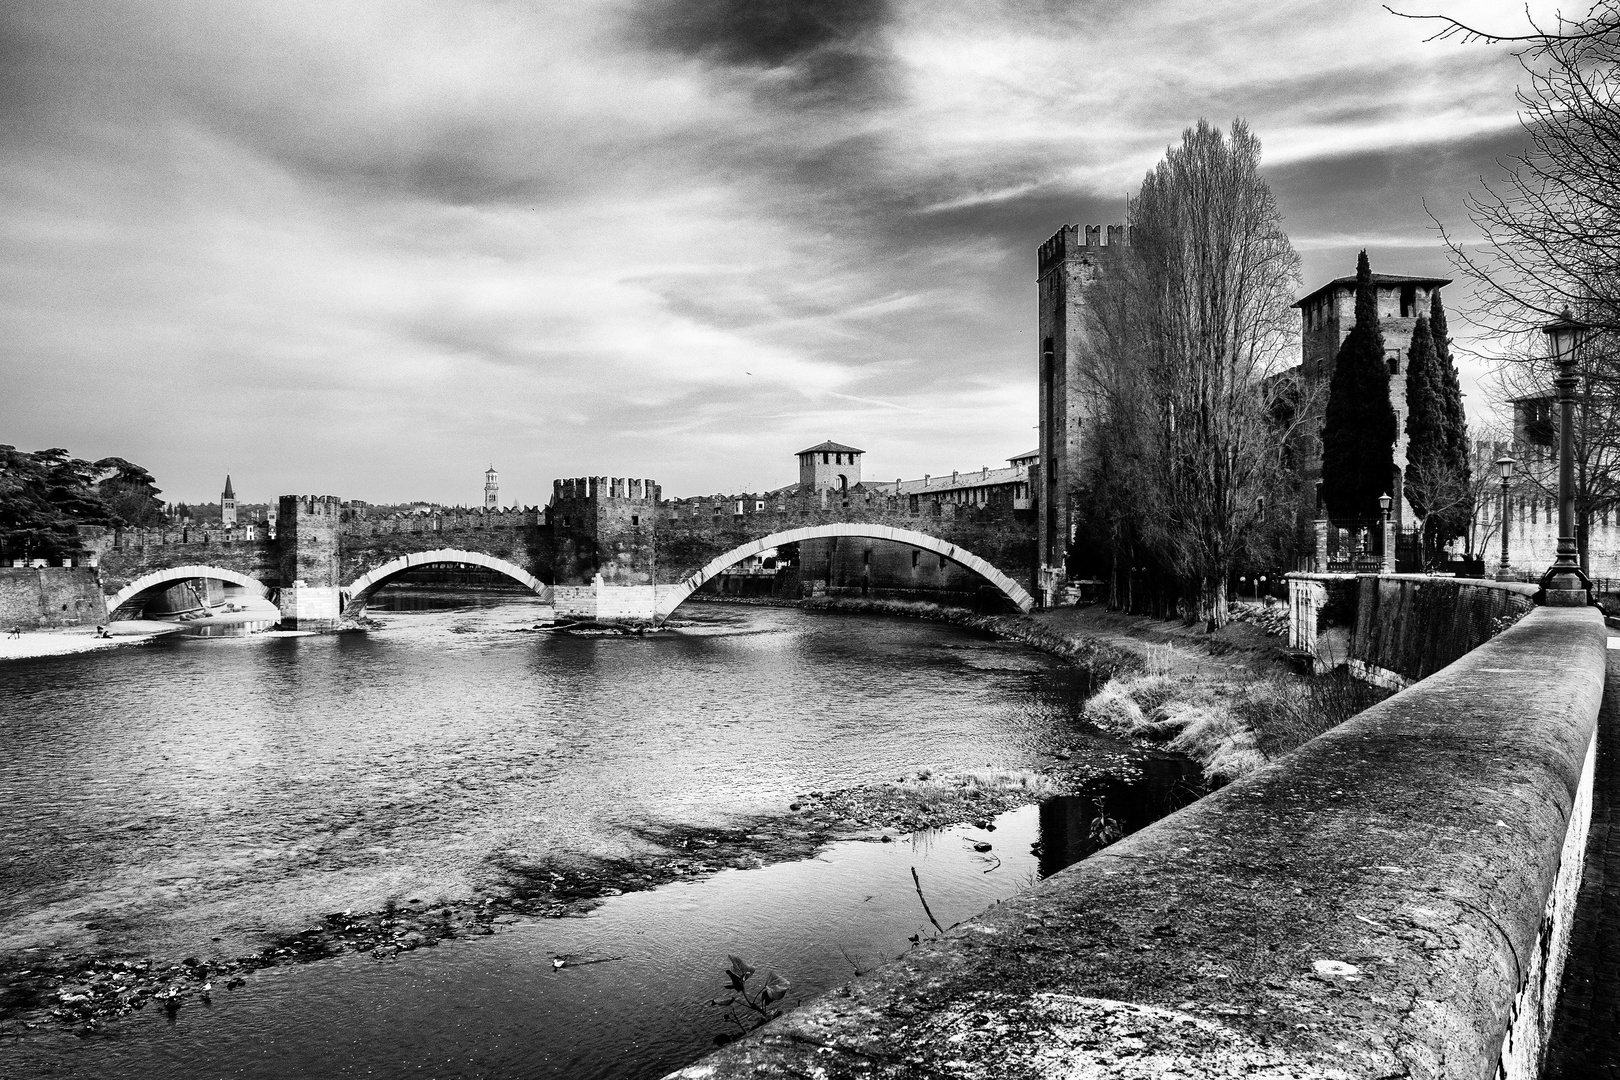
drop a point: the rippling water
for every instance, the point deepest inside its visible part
(165, 796)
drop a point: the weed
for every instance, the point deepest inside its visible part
(760, 1004)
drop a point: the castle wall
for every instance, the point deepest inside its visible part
(49, 596)
(693, 531)
(516, 536)
(122, 555)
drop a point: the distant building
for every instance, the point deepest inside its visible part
(227, 504)
(492, 489)
(1005, 489)
(1327, 315)
(830, 466)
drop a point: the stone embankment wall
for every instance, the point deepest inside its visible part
(1392, 899)
(1394, 629)
(33, 598)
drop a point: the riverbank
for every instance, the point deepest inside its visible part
(33, 644)
(1231, 700)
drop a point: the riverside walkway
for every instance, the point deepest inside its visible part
(1586, 1033)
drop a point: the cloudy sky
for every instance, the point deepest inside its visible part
(369, 248)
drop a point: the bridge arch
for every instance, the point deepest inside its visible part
(668, 601)
(183, 573)
(359, 591)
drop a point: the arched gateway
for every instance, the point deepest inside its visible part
(359, 591)
(159, 578)
(667, 602)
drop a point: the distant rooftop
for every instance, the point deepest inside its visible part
(830, 447)
(933, 485)
(1390, 280)
(1027, 455)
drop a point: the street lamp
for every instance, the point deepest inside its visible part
(1385, 535)
(1564, 582)
(1505, 464)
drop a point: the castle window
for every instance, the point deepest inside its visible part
(1394, 361)
(1408, 301)
(912, 504)
(635, 519)
(824, 458)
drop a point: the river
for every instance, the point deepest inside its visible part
(201, 797)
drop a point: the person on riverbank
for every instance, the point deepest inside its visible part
(14, 632)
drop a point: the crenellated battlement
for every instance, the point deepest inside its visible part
(604, 487)
(1073, 241)
(311, 506)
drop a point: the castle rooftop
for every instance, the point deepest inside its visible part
(1388, 280)
(830, 447)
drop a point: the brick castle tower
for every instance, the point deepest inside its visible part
(1067, 267)
(603, 525)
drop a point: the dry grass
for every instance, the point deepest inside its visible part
(1229, 727)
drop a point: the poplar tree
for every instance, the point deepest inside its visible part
(1358, 428)
(1188, 325)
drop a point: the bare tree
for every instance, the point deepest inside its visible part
(1550, 224)
(1188, 332)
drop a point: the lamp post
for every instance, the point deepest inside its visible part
(1564, 583)
(1384, 502)
(1505, 464)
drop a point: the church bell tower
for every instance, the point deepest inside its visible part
(492, 489)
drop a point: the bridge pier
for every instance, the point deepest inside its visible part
(619, 603)
(310, 607)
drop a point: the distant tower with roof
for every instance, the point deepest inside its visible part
(227, 504)
(830, 465)
(1327, 314)
(492, 489)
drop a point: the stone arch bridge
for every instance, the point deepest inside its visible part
(604, 547)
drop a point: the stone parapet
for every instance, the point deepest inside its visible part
(1392, 899)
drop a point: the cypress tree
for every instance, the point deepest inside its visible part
(1358, 429)
(1458, 456)
(1428, 448)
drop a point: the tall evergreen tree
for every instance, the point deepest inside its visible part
(1458, 451)
(1358, 429)
(1428, 446)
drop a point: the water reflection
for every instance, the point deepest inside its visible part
(1075, 826)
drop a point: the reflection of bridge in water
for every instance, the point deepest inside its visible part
(603, 548)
